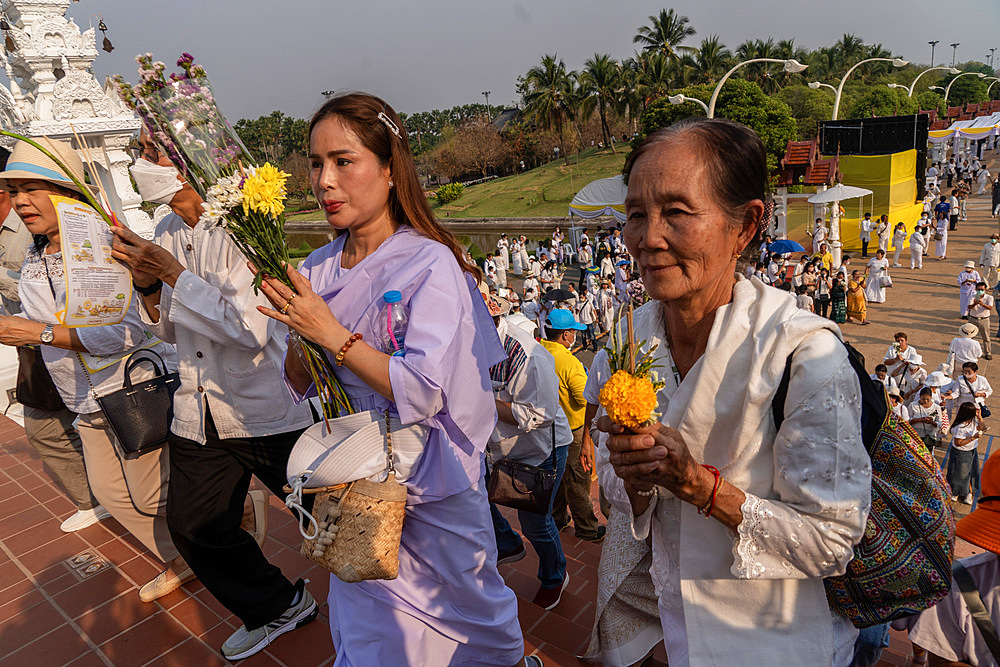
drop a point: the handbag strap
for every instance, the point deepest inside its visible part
(974, 603)
(86, 374)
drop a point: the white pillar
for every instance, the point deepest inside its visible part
(780, 222)
(835, 243)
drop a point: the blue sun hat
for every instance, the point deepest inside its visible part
(560, 319)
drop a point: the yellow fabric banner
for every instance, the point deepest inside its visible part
(892, 180)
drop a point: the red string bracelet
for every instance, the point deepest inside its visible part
(710, 505)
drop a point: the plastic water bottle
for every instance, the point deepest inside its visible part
(393, 317)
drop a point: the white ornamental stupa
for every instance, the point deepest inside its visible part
(53, 92)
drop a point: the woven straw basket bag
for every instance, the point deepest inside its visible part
(358, 525)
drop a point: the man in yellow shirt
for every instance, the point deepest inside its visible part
(824, 255)
(574, 490)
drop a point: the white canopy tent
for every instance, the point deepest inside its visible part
(835, 195)
(605, 196)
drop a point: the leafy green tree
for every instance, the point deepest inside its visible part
(741, 101)
(808, 107)
(930, 100)
(665, 33)
(550, 89)
(851, 49)
(881, 102)
(600, 82)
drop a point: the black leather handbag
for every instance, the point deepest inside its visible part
(140, 414)
(522, 486)
(35, 388)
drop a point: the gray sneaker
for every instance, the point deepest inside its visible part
(244, 643)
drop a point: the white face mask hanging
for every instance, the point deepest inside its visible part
(155, 183)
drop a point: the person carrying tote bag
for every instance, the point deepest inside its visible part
(134, 491)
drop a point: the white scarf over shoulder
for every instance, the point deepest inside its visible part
(756, 597)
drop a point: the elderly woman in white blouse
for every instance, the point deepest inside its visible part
(746, 521)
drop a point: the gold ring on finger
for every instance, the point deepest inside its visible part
(285, 309)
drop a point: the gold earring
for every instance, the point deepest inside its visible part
(736, 255)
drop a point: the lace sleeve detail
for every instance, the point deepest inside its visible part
(821, 487)
(745, 547)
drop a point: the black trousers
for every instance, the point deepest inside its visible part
(208, 484)
(864, 248)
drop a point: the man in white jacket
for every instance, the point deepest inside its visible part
(229, 422)
(989, 260)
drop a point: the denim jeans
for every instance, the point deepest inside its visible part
(868, 647)
(540, 529)
(963, 471)
(590, 335)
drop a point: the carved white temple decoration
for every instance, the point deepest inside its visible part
(53, 91)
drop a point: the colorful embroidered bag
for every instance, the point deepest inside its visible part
(902, 565)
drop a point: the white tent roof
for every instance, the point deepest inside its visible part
(839, 192)
(986, 121)
(605, 196)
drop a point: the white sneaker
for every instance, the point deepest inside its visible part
(967, 500)
(84, 518)
(954, 499)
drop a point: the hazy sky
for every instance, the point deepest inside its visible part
(427, 54)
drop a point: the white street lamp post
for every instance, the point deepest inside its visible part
(948, 88)
(990, 87)
(791, 65)
(896, 62)
(909, 89)
(816, 85)
(681, 99)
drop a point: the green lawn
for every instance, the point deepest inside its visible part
(539, 193)
(542, 192)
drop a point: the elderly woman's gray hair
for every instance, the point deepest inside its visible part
(734, 154)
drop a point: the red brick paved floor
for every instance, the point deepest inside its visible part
(49, 617)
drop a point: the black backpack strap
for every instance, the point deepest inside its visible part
(874, 400)
(778, 402)
(976, 607)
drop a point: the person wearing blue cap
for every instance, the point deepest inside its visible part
(573, 493)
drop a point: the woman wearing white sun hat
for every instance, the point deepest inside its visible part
(134, 491)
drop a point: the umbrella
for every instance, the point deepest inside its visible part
(558, 295)
(839, 192)
(785, 246)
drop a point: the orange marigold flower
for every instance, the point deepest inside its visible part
(629, 400)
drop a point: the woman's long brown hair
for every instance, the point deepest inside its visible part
(407, 203)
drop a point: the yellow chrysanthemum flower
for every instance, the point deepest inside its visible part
(264, 191)
(629, 400)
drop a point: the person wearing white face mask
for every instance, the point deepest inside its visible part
(229, 422)
(989, 260)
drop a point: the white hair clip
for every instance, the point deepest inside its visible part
(389, 124)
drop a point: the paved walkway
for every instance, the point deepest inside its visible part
(71, 599)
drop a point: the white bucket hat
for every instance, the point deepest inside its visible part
(28, 162)
(968, 330)
(970, 264)
(937, 379)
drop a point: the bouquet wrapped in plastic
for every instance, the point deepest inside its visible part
(181, 116)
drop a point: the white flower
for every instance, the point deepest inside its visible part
(212, 215)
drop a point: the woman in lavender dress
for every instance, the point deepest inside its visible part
(449, 604)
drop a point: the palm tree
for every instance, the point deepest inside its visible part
(852, 49)
(656, 76)
(600, 82)
(712, 59)
(549, 91)
(825, 62)
(787, 50)
(665, 33)
(632, 101)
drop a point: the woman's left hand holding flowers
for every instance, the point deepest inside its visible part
(302, 309)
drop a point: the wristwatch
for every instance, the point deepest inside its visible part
(47, 336)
